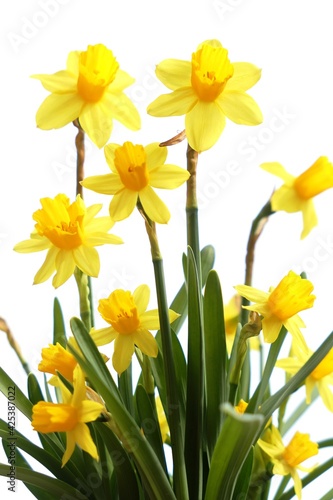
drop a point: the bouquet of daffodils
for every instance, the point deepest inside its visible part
(190, 425)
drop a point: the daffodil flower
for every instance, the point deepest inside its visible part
(90, 89)
(287, 459)
(207, 90)
(69, 232)
(129, 325)
(297, 193)
(321, 377)
(57, 359)
(70, 416)
(135, 171)
(279, 306)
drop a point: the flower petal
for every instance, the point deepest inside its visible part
(325, 393)
(32, 245)
(62, 82)
(150, 320)
(310, 219)
(83, 438)
(121, 81)
(285, 198)
(70, 446)
(122, 204)
(141, 297)
(177, 103)
(204, 124)
(123, 352)
(251, 293)
(90, 410)
(240, 108)
(87, 259)
(104, 184)
(156, 210)
(102, 239)
(58, 110)
(245, 76)
(123, 110)
(96, 121)
(155, 155)
(174, 73)
(65, 266)
(103, 336)
(271, 327)
(277, 169)
(145, 342)
(168, 177)
(48, 266)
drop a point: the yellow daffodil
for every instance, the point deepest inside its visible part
(321, 377)
(241, 407)
(135, 171)
(164, 426)
(297, 193)
(69, 232)
(130, 325)
(287, 459)
(56, 359)
(207, 90)
(70, 416)
(232, 312)
(90, 89)
(279, 306)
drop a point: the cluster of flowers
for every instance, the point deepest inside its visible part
(207, 90)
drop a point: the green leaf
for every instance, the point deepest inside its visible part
(237, 436)
(93, 365)
(150, 424)
(244, 477)
(207, 261)
(215, 358)
(195, 376)
(34, 391)
(21, 401)
(59, 488)
(59, 330)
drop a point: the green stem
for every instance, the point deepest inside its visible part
(192, 208)
(82, 284)
(173, 406)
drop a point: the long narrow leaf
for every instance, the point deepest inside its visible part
(59, 330)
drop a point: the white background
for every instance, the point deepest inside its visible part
(291, 41)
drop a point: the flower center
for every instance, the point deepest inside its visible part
(130, 162)
(299, 449)
(324, 368)
(54, 417)
(211, 69)
(315, 179)
(97, 69)
(291, 296)
(120, 311)
(61, 222)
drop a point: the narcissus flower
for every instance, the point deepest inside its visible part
(297, 193)
(287, 459)
(279, 306)
(135, 171)
(206, 90)
(70, 416)
(130, 325)
(321, 377)
(69, 231)
(90, 89)
(56, 359)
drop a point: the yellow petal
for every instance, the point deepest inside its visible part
(146, 342)
(84, 440)
(310, 219)
(177, 103)
(58, 110)
(123, 352)
(155, 155)
(174, 73)
(271, 327)
(102, 239)
(32, 245)
(123, 110)
(48, 266)
(154, 207)
(109, 152)
(240, 108)
(326, 394)
(90, 410)
(104, 184)
(96, 121)
(285, 198)
(244, 77)
(70, 446)
(87, 259)
(168, 177)
(72, 63)
(103, 336)
(122, 204)
(62, 82)
(204, 125)
(150, 320)
(121, 81)
(277, 169)
(251, 293)
(141, 297)
(65, 266)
